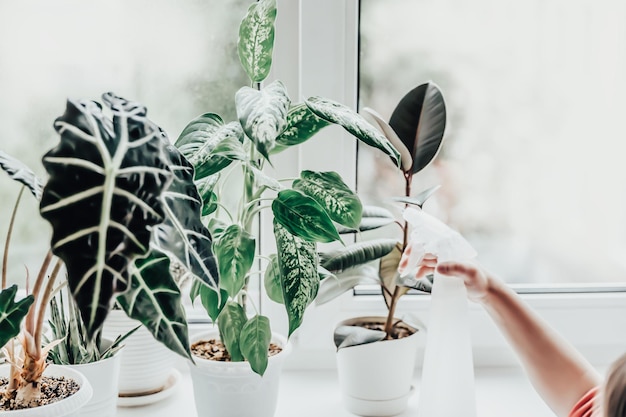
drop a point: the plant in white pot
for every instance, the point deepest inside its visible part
(306, 211)
(376, 355)
(28, 386)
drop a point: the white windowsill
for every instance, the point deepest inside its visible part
(499, 392)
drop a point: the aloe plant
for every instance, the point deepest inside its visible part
(416, 130)
(307, 211)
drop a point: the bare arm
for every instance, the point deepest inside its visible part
(559, 373)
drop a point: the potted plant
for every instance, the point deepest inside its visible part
(388, 345)
(306, 211)
(28, 386)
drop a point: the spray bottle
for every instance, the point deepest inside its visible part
(447, 383)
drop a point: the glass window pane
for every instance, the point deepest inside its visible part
(176, 57)
(532, 165)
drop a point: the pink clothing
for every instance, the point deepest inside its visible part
(585, 407)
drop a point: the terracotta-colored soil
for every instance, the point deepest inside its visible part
(53, 389)
(215, 350)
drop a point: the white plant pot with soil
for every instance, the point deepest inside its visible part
(103, 377)
(232, 389)
(376, 378)
(146, 365)
(67, 407)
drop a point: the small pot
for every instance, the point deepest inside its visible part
(376, 378)
(146, 364)
(103, 377)
(232, 389)
(67, 407)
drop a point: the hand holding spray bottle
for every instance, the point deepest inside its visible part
(447, 383)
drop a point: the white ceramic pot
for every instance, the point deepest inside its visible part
(67, 407)
(103, 377)
(146, 364)
(232, 389)
(376, 378)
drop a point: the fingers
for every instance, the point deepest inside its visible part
(457, 268)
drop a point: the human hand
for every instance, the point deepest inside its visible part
(477, 281)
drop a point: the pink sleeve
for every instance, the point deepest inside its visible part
(585, 406)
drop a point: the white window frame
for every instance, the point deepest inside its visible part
(316, 54)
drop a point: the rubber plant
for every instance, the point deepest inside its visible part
(416, 128)
(306, 211)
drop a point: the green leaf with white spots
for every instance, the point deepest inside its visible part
(256, 39)
(255, 342)
(12, 313)
(329, 190)
(234, 249)
(154, 299)
(297, 260)
(230, 323)
(272, 281)
(302, 216)
(263, 114)
(302, 124)
(354, 123)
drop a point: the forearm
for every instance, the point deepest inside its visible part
(558, 372)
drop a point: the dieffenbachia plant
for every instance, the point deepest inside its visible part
(309, 210)
(123, 205)
(416, 129)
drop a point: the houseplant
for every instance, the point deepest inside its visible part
(27, 377)
(305, 212)
(387, 344)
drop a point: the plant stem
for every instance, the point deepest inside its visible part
(5, 256)
(392, 311)
(30, 318)
(408, 177)
(45, 299)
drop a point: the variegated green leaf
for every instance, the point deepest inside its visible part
(263, 180)
(388, 272)
(371, 218)
(255, 342)
(12, 313)
(354, 123)
(333, 286)
(302, 124)
(346, 336)
(356, 254)
(103, 197)
(329, 190)
(154, 299)
(263, 114)
(212, 303)
(256, 39)
(297, 260)
(230, 323)
(210, 145)
(182, 235)
(205, 187)
(234, 249)
(419, 119)
(272, 281)
(216, 227)
(419, 199)
(302, 216)
(21, 173)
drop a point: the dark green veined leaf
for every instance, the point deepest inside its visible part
(356, 254)
(329, 190)
(256, 39)
(263, 114)
(182, 235)
(388, 271)
(205, 187)
(346, 336)
(234, 249)
(255, 342)
(154, 299)
(354, 123)
(230, 323)
(302, 124)
(332, 287)
(420, 121)
(12, 313)
(21, 173)
(272, 281)
(302, 216)
(297, 260)
(103, 197)
(406, 158)
(419, 199)
(372, 218)
(210, 145)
